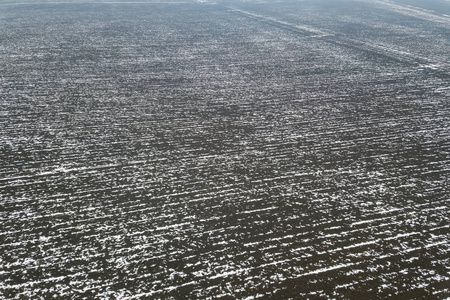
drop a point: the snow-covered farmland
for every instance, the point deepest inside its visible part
(230, 150)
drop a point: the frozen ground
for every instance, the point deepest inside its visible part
(229, 150)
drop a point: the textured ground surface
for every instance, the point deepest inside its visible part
(234, 150)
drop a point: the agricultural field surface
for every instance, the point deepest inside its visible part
(225, 149)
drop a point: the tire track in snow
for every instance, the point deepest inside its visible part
(390, 53)
(413, 11)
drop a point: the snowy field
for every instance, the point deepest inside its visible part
(229, 150)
